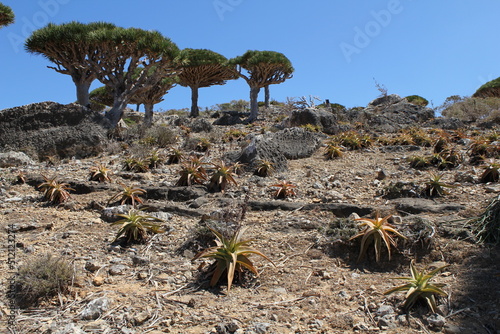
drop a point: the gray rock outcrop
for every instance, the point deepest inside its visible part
(290, 143)
(51, 129)
(390, 113)
(14, 159)
(326, 121)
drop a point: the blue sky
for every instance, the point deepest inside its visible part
(431, 48)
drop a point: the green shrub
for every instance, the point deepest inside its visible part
(417, 100)
(234, 105)
(489, 89)
(41, 278)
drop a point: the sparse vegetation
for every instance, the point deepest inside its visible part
(486, 227)
(156, 159)
(434, 187)
(491, 173)
(333, 151)
(175, 156)
(41, 278)
(135, 164)
(418, 100)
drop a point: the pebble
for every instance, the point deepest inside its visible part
(98, 281)
(343, 294)
(384, 310)
(141, 318)
(451, 329)
(95, 308)
(387, 321)
(139, 261)
(117, 269)
(13, 199)
(436, 320)
(92, 266)
(261, 327)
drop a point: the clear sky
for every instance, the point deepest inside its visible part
(432, 48)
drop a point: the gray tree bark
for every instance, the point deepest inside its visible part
(115, 114)
(254, 106)
(266, 96)
(195, 111)
(82, 93)
(148, 115)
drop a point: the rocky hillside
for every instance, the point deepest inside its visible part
(391, 160)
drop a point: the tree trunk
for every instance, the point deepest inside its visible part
(137, 106)
(254, 105)
(82, 93)
(195, 111)
(115, 114)
(148, 115)
(266, 97)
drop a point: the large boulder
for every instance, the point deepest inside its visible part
(290, 143)
(385, 100)
(14, 159)
(326, 121)
(201, 125)
(231, 118)
(51, 129)
(391, 113)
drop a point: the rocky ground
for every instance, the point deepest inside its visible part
(315, 284)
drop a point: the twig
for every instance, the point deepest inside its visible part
(280, 302)
(175, 291)
(457, 312)
(160, 306)
(420, 324)
(308, 277)
(367, 310)
(111, 311)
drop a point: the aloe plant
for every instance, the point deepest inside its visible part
(192, 172)
(135, 226)
(128, 195)
(54, 191)
(284, 189)
(223, 176)
(231, 255)
(100, 173)
(376, 231)
(418, 287)
(434, 187)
